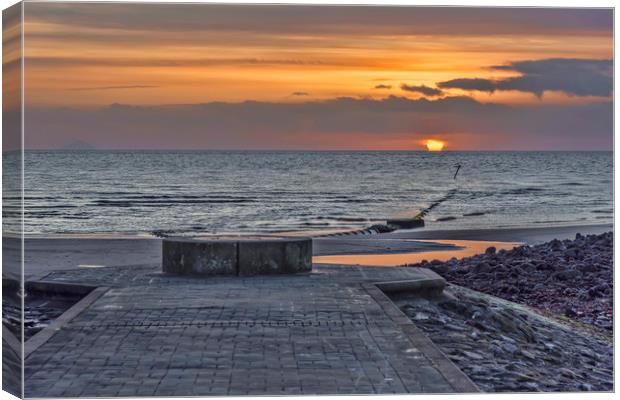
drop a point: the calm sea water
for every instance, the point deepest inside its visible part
(254, 192)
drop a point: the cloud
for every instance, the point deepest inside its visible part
(383, 86)
(345, 122)
(112, 87)
(425, 90)
(321, 20)
(575, 77)
(483, 85)
(163, 62)
(300, 94)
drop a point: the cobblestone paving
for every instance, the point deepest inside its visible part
(151, 334)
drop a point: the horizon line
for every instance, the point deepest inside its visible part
(317, 150)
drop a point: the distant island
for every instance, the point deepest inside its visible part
(78, 144)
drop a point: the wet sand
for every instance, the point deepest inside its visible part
(530, 236)
(458, 249)
(404, 241)
(44, 254)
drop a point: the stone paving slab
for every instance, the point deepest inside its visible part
(152, 334)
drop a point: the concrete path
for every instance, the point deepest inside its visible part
(328, 332)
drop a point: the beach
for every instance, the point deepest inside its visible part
(61, 252)
(505, 358)
(347, 200)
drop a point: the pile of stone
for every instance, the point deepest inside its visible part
(34, 318)
(504, 347)
(571, 278)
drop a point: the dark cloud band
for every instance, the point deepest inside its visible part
(253, 124)
(575, 77)
(423, 89)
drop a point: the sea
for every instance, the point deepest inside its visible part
(315, 192)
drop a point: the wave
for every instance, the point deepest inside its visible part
(345, 219)
(442, 219)
(523, 190)
(158, 203)
(573, 184)
(474, 214)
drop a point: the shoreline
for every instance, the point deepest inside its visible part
(45, 254)
(571, 278)
(526, 235)
(439, 249)
(478, 233)
(405, 240)
(481, 331)
(48, 253)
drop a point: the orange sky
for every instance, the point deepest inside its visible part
(93, 55)
(141, 65)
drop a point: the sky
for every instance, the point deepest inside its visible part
(191, 76)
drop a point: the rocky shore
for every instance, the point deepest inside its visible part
(505, 347)
(570, 278)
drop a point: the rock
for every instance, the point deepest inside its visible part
(482, 267)
(555, 244)
(587, 267)
(454, 327)
(527, 354)
(440, 269)
(420, 316)
(571, 253)
(592, 292)
(509, 347)
(544, 267)
(524, 377)
(554, 276)
(567, 373)
(507, 339)
(527, 266)
(473, 355)
(603, 287)
(569, 312)
(490, 250)
(565, 275)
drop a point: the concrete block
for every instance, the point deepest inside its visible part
(275, 256)
(427, 286)
(237, 255)
(199, 257)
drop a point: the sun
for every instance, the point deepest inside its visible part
(434, 145)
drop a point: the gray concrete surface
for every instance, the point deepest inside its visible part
(237, 256)
(199, 257)
(282, 256)
(315, 333)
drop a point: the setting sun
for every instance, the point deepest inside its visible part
(434, 145)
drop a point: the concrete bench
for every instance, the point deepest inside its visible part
(236, 255)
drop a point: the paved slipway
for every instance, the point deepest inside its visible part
(331, 331)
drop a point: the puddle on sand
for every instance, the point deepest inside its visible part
(467, 248)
